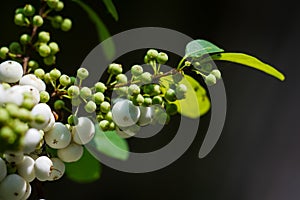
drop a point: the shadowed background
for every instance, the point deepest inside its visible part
(257, 156)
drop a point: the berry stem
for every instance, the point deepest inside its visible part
(181, 62)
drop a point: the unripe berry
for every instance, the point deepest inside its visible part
(42, 168)
(90, 107)
(44, 97)
(28, 10)
(44, 50)
(59, 6)
(216, 73)
(31, 140)
(152, 53)
(25, 39)
(66, 25)
(33, 64)
(15, 47)
(146, 59)
(105, 107)
(104, 125)
(47, 78)
(147, 101)
(10, 71)
(162, 58)
(171, 109)
(53, 47)
(50, 60)
(26, 169)
(58, 137)
(19, 19)
(210, 80)
(55, 74)
(76, 101)
(84, 131)
(170, 95)
(44, 37)
(7, 135)
(37, 20)
(72, 120)
(65, 80)
(98, 97)
(121, 78)
(57, 170)
(136, 70)
(125, 113)
(85, 93)
(73, 91)
(115, 69)
(13, 187)
(82, 73)
(134, 89)
(146, 78)
(52, 3)
(157, 100)
(108, 116)
(3, 169)
(3, 52)
(71, 153)
(56, 21)
(100, 87)
(59, 104)
(138, 100)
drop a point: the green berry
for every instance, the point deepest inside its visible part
(19, 10)
(65, 80)
(85, 93)
(104, 125)
(66, 25)
(146, 59)
(112, 126)
(15, 47)
(37, 20)
(50, 60)
(59, 6)
(73, 91)
(100, 87)
(55, 74)
(138, 100)
(134, 89)
(98, 97)
(146, 78)
(53, 47)
(76, 101)
(136, 70)
(147, 101)
(24, 115)
(52, 3)
(171, 109)
(33, 64)
(121, 91)
(170, 95)
(82, 73)
(7, 135)
(44, 50)
(28, 104)
(157, 100)
(28, 10)
(90, 107)
(210, 80)
(5, 86)
(72, 120)
(56, 21)
(39, 73)
(25, 39)
(44, 37)
(73, 80)
(12, 109)
(155, 90)
(20, 19)
(47, 78)
(3, 52)
(216, 73)
(115, 68)
(121, 78)
(39, 119)
(152, 53)
(44, 97)
(59, 104)
(108, 116)
(162, 58)
(105, 107)
(4, 115)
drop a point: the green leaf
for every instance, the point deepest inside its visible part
(86, 170)
(196, 103)
(111, 9)
(110, 144)
(249, 61)
(197, 48)
(103, 33)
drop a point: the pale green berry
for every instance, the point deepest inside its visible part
(146, 59)
(44, 50)
(98, 97)
(108, 116)
(100, 87)
(134, 89)
(52, 3)
(170, 95)
(112, 126)
(44, 37)
(3, 52)
(121, 78)
(210, 80)
(44, 97)
(54, 47)
(19, 10)
(82, 73)
(216, 73)
(56, 21)
(49, 60)
(115, 69)
(147, 101)
(20, 19)
(25, 39)
(4, 115)
(85, 93)
(47, 78)
(73, 91)
(55, 74)
(90, 107)
(138, 100)
(104, 125)
(28, 10)
(37, 20)
(146, 78)
(136, 70)
(59, 104)
(152, 53)
(121, 91)
(59, 6)
(66, 25)
(76, 101)
(162, 58)
(24, 115)
(7, 135)
(64, 80)
(33, 64)
(105, 107)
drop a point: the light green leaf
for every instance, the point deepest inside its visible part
(249, 61)
(196, 103)
(111, 9)
(197, 48)
(103, 33)
(110, 144)
(86, 170)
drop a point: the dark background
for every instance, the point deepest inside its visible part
(257, 156)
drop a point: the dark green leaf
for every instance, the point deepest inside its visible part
(103, 33)
(111, 144)
(249, 61)
(111, 9)
(197, 48)
(86, 170)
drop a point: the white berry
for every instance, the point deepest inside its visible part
(26, 169)
(10, 71)
(3, 169)
(42, 168)
(146, 117)
(14, 95)
(31, 140)
(45, 111)
(58, 169)
(58, 137)
(13, 187)
(71, 153)
(31, 79)
(84, 131)
(27, 192)
(15, 157)
(125, 114)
